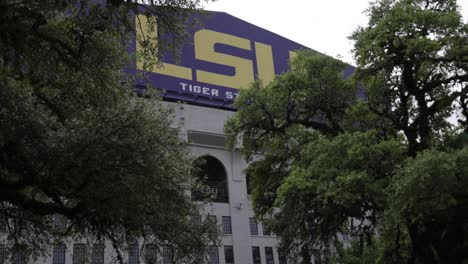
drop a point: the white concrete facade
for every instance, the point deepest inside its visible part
(211, 121)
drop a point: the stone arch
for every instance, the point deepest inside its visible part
(212, 174)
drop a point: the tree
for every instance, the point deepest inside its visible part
(285, 121)
(77, 143)
(333, 164)
(412, 57)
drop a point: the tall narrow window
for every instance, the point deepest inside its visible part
(60, 222)
(196, 219)
(213, 223)
(79, 253)
(151, 253)
(228, 255)
(213, 255)
(19, 257)
(210, 171)
(2, 253)
(256, 255)
(266, 230)
(283, 259)
(97, 256)
(199, 259)
(248, 184)
(3, 223)
(253, 227)
(19, 223)
(58, 254)
(133, 254)
(227, 227)
(269, 255)
(167, 254)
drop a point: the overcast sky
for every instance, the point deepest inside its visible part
(322, 25)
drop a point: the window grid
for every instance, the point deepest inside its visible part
(228, 255)
(79, 253)
(167, 254)
(133, 254)
(58, 254)
(283, 259)
(3, 223)
(345, 237)
(20, 225)
(213, 255)
(199, 259)
(196, 220)
(248, 184)
(253, 227)
(213, 223)
(151, 252)
(2, 253)
(257, 259)
(97, 256)
(19, 257)
(269, 255)
(227, 227)
(60, 222)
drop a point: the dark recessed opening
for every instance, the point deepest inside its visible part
(211, 173)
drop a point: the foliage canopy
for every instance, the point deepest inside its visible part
(388, 169)
(75, 140)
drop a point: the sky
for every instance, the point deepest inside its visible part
(322, 25)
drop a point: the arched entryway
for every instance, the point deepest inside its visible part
(210, 172)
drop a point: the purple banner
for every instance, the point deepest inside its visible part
(220, 58)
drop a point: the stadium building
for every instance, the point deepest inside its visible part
(227, 54)
(223, 56)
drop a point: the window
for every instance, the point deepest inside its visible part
(227, 228)
(199, 259)
(3, 223)
(283, 259)
(60, 222)
(210, 171)
(20, 224)
(269, 255)
(248, 184)
(97, 256)
(2, 253)
(266, 230)
(167, 254)
(213, 255)
(196, 220)
(256, 255)
(345, 237)
(133, 254)
(58, 255)
(213, 223)
(79, 253)
(151, 253)
(228, 255)
(253, 227)
(19, 257)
